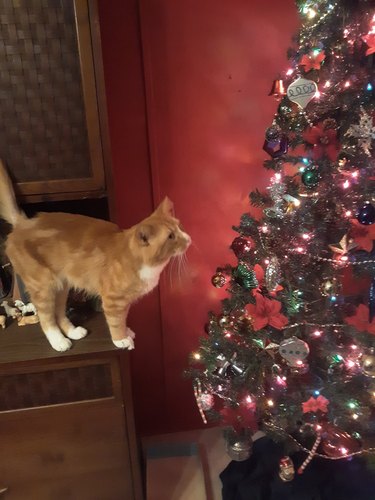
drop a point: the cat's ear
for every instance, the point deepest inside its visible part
(144, 233)
(165, 208)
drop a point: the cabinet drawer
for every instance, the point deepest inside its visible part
(74, 451)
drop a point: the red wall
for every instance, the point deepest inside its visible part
(208, 67)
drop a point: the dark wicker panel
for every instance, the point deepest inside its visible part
(43, 133)
(29, 390)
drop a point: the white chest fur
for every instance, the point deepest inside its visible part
(150, 276)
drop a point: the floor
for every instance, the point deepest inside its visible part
(186, 465)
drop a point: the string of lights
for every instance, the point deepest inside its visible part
(288, 345)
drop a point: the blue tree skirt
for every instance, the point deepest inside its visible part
(257, 478)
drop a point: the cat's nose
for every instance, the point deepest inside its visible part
(188, 240)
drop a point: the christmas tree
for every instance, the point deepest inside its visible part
(292, 349)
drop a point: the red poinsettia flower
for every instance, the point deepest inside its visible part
(362, 235)
(360, 320)
(259, 274)
(324, 142)
(370, 42)
(266, 312)
(239, 417)
(315, 404)
(312, 60)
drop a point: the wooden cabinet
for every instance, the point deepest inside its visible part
(66, 423)
(53, 134)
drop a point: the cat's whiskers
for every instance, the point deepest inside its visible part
(178, 263)
(171, 267)
(179, 268)
(183, 264)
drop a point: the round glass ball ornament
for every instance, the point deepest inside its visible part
(368, 363)
(366, 214)
(241, 246)
(337, 443)
(218, 280)
(310, 177)
(239, 449)
(273, 133)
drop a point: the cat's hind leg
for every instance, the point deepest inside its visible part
(45, 302)
(71, 331)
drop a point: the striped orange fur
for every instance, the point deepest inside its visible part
(53, 252)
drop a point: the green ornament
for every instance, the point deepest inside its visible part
(245, 277)
(310, 178)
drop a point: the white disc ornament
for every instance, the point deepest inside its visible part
(301, 91)
(294, 351)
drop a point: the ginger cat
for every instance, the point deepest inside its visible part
(53, 252)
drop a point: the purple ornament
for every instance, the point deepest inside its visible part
(366, 214)
(276, 147)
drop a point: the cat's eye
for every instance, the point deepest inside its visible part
(171, 236)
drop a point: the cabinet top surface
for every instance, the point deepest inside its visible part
(28, 343)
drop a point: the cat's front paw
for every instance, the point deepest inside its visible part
(126, 343)
(77, 332)
(58, 342)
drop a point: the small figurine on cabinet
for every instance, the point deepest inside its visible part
(10, 311)
(25, 308)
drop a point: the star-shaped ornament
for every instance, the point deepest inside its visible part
(344, 246)
(268, 347)
(271, 349)
(364, 131)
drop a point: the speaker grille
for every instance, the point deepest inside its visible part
(43, 133)
(30, 390)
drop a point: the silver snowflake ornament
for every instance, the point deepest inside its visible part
(364, 131)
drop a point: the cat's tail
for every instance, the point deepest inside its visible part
(9, 210)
